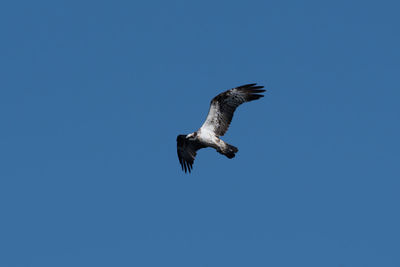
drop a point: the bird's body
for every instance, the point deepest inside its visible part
(208, 138)
(217, 123)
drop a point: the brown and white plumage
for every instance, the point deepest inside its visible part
(220, 114)
(224, 105)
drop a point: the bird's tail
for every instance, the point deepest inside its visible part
(229, 151)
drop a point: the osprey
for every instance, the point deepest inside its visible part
(217, 123)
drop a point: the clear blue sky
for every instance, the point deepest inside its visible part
(94, 93)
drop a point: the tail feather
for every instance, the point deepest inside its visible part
(230, 151)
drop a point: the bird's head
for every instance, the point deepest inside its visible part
(191, 135)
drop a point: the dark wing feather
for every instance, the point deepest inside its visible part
(187, 151)
(224, 105)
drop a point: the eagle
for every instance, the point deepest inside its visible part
(216, 124)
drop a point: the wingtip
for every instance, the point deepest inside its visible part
(252, 87)
(186, 166)
(258, 90)
(246, 85)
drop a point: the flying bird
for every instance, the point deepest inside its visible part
(217, 123)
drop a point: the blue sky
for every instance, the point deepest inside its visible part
(94, 93)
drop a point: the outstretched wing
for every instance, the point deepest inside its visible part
(187, 151)
(224, 105)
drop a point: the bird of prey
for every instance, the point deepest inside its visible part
(217, 123)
